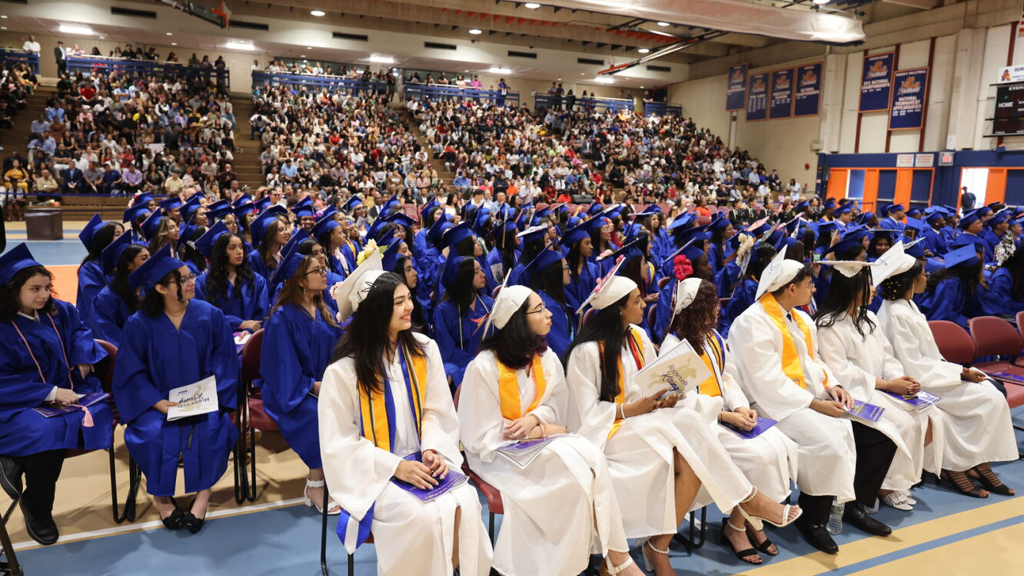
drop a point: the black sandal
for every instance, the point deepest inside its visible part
(744, 554)
(763, 547)
(175, 520)
(991, 482)
(962, 483)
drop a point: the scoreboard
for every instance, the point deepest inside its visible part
(1008, 119)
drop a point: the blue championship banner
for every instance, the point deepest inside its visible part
(736, 93)
(757, 97)
(782, 94)
(908, 99)
(876, 82)
(808, 90)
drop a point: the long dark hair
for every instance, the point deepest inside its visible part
(896, 287)
(366, 338)
(217, 274)
(967, 275)
(634, 270)
(264, 250)
(606, 327)
(697, 320)
(1015, 266)
(573, 258)
(461, 291)
(505, 242)
(10, 304)
(293, 293)
(516, 343)
(843, 292)
(153, 303)
(119, 285)
(103, 237)
(550, 281)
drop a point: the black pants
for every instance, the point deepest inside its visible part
(875, 452)
(41, 473)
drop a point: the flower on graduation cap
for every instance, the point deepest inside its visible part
(371, 247)
(1006, 247)
(683, 267)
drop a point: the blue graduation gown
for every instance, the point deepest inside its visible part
(997, 299)
(714, 253)
(580, 287)
(91, 280)
(156, 358)
(663, 312)
(109, 315)
(888, 223)
(947, 302)
(727, 279)
(934, 242)
(301, 350)
(23, 431)
(563, 328)
(982, 245)
(741, 299)
(494, 269)
(252, 303)
(419, 243)
(458, 337)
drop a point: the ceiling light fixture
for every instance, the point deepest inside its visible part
(75, 29)
(239, 45)
(644, 50)
(309, 47)
(4, 16)
(382, 59)
(499, 70)
(663, 24)
(170, 34)
(532, 5)
(172, 43)
(3, 27)
(604, 80)
(476, 31)
(317, 13)
(820, 2)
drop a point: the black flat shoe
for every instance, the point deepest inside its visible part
(745, 554)
(192, 523)
(858, 518)
(41, 527)
(10, 476)
(817, 536)
(175, 520)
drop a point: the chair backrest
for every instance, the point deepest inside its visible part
(994, 336)
(662, 282)
(455, 399)
(954, 343)
(105, 368)
(1020, 323)
(587, 316)
(651, 312)
(251, 353)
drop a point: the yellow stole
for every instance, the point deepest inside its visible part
(790, 358)
(377, 411)
(508, 389)
(713, 355)
(636, 348)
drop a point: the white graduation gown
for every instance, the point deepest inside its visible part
(562, 505)
(411, 536)
(828, 454)
(976, 416)
(857, 361)
(768, 461)
(640, 454)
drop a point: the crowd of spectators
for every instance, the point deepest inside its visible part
(17, 82)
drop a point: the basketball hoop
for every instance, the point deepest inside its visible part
(224, 12)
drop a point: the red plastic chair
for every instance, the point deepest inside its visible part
(994, 336)
(1020, 323)
(587, 316)
(662, 282)
(252, 417)
(651, 315)
(954, 343)
(493, 496)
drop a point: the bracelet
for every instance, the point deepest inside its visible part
(622, 411)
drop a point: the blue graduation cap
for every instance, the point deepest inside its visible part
(351, 203)
(387, 238)
(503, 227)
(719, 222)
(575, 234)
(830, 203)
(90, 230)
(984, 211)
(914, 212)
(206, 241)
(133, 213)
(323, 226)
(826, 228)
(914, 248)
(374, 230)
(263, 203)
(633, 232)
(801, 205)
(191, 205)
(693, 250)
(436, 232)
(533, 234)
(999, 218)
(628, 253)
(962, 256)
(243, 199)
(152, 224)
(457, 234)
(112, 253)
(451, 269)
(388, 204)
(392, 256)
(697, 234)
(786, 241)
(934, 217)
(153, 270)
(241, 210)
(969, 218)
(427, 209)
(483, 216)
(14, 261)
(844, 209)
(542, 261)
(303, 208)
(219, 209)
(539, 215)
(143, 199)
(259, 226)
(291, 259)
(916, 224)
(682, 221)
(188, 231)
(595, 208)
(846, 248)
(887, 209)
(171, 203)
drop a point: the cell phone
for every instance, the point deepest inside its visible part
(816, 258)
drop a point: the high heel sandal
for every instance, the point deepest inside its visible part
(613, 570)
(763, 547)
(332, 511)
(991, 482)
(175, 520)
(648, 565)
(960, 482)
(757, 522)
(744, 554)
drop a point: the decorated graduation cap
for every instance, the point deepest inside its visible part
(262, 222)
(609, 290)
(777, 274)
(969, 218)
(219, 209)
(457, 233)
(894, 262)
(352, 203)
(206, 241)
(848, 268)
(962, 256)
(90, 230)
(436, 232)
(151, 225)
(14, 261)
(133, 213)
(351, 293)
(508, 301)
(171, 203)
(686, 292)
(154, 269)
(112, 253)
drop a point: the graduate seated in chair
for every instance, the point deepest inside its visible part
(174, 341)
(47, 364)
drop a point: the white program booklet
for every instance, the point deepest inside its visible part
(193, 399)
(680, 370)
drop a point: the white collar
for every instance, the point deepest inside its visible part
(35, 315)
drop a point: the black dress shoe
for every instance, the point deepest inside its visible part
(817, 536)
(858, 518)
(174, 521)
(192, 523)
(41, 527)
(10, 476)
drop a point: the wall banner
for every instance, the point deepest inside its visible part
(908, 99)
(757, 97)
(736, 93)
(876, 82)
(808, 90)
(782, 94)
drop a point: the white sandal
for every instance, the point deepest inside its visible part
(898, 501)
(757, 522)
(648, 565)
(332, 511)
(613, 570)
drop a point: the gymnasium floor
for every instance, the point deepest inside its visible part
(946, 534)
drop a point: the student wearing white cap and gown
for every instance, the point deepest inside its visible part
(659, 454)
(976, 417)
(402, 427)
(769, 460)
(854, 347)
(561, 506)
(781, 373)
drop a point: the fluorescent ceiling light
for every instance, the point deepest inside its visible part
(663, 24)
(76, 29)
(819, 2)
(174, 43)
(644, 50)
(317, 13)
(4, 16)
(499, 70)
(170, 34)
(604, 80)
(532, 5)
(476, 31)
(382, 59)
(239, 46)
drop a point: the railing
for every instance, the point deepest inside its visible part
(261, 78)
(16, 56)
(436, 92)
(544, 101)
(662, 109)
(104, 65)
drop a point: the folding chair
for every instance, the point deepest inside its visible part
(323, 546)
(662, 282)
(954, 343)
(652, 311)
(587, 316)
(251, 417)
(10, 566)
(494, 504)
(690, 542)
(994, 336)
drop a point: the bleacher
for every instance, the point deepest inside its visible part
(439, 92)
(545, 101)
(332, 83)
(662, 109)
(105, 65)
(8, 55)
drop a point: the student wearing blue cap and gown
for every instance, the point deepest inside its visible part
(302, 332)
(175, 340)
(303, 211)
(531, 241)
(634, 266)
(583, 272)
(428, 216)
(459, 240)
(746, 289)
(459, 317)
(1003, 294)
(96, 236)
(971, 226)
(549, 278)
(934, 240)
(501, 258)
(950, 293)
(398, 259)
(690, 260)
(894, 215)
(48, 359)
(270, 232)
(228, 283)
(430, 262)
(117, 301)
(995, 229)
(333, 236)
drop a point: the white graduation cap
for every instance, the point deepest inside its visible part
(848, 268)
(508, 301)
(609, 289)
(895, 261)
(350, 293)
(531, 230)
(686, 291)
(778, 273)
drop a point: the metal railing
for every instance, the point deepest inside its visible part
(545, 101)
(662, 109)
(436, 92)
(332, 83)
(104, 65)
(7, 55)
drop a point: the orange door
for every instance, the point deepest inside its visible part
(837, 183)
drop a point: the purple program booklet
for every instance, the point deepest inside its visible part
(1007, 376)
(51, 410)
(758, 429)
(523, 452)
(918, 401)
(452, 480)
(864, 411)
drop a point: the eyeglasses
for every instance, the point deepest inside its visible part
(320, 271)
(539, 310)
(186, 279)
